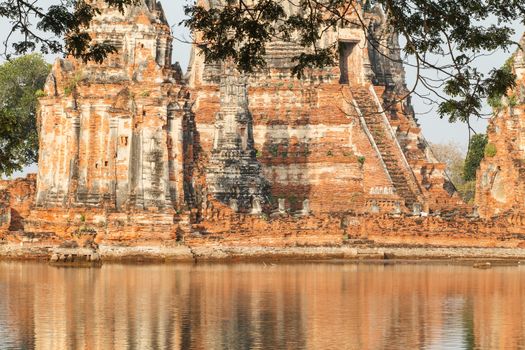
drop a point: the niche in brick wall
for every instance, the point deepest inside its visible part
(348, 62)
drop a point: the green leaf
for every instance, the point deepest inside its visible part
(21, 82)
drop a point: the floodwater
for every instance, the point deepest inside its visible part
(261, 306)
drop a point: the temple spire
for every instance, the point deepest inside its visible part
(234, 174)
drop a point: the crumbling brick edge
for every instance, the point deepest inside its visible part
(219, 254)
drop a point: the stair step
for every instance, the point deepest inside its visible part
(385, 145)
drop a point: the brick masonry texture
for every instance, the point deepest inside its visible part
(501, 178)
(134, 153)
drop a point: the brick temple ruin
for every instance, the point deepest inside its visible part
(132, 149)
(501, 177)
(127, 133)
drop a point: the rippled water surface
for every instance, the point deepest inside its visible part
(257, 306)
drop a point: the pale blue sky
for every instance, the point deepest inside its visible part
(435, 130)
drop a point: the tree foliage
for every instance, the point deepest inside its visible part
(441, 36)
(460, 169)
(453, 156)
(467, 191)
(60, 28)
(21, 80)
(475, 154)
(495, 100)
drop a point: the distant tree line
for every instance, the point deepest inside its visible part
(462, 168)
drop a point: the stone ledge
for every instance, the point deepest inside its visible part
(217, 253)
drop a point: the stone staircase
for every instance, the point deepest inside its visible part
(390, 152)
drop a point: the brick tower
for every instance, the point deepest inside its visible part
(109, 132)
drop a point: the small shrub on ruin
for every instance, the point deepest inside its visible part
(274, 149)
(490, 150)
(475, 154)
(40, 93)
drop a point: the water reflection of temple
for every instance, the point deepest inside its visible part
(258, 307)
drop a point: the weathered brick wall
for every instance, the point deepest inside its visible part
(501, 177)
(307, 143)
(5, 210)
(221, 226)
(101, 225)
(16, 202)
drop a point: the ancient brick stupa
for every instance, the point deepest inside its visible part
(501, 177)
(109, 132)
(336, 140)
(234, 175)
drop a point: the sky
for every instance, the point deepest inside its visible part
(434, 129)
